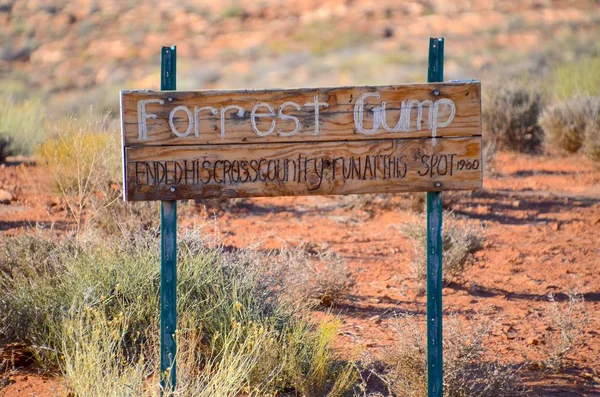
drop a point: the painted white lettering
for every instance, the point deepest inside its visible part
(197, 111)
(143, 116)
(254, 116)
(288, 117)
(436, 124)
(419, 106)
(190, 120)
(359, 109)
(399, 125)
(240, 113)
(317, 104)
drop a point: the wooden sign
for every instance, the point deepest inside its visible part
(183, 145)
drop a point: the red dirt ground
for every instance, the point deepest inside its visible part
(541, 220)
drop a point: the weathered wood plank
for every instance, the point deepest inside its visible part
(312, 168)
(300, 115)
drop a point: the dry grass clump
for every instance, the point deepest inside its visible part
(320, 278)
(488, 154)
(591, 143)
(83, 158)
(466, 371)
(581, 77)
(90, 305)
(511, 116)
(416, 202)
(21, 124)
(565, 122)
(570, 321)
(459, 242)
(111, 215)
(92, 358)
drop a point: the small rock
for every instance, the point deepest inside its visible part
(510, 332)
(53, 202)
(533, 341)
(556, 226)
(5, 197)
(516, 203)
(474, 288)
(376, 319)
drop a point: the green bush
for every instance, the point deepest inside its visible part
(90, 305)
(565, 122)
(581, 77)
(510, 114)
(21, 125)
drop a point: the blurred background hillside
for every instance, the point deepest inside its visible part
(73, 54)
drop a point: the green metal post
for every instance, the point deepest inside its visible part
(168, 255)
(435, 370)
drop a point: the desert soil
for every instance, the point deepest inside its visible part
(540, 216)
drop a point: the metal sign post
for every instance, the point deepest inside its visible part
(435, 368)
(168, 254)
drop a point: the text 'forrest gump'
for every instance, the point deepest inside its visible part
(440, 113)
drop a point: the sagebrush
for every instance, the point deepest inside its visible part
(511, 117)
(466, 370)
(591, 142)
(565, 122)
(83, 158)
(21, 126)
(90, 306)
(581, 77)
(459, 242)
(567, 321)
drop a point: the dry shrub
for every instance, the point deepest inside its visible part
(311, 364)
(565, 122)
(570, 320)
(591, 145)
(488, 154)
(20, 126)
(118, 217)
(579, 77)
(459, 242)
(83, 158)
(90, 304)
(466, 372)
(318, 277)
(416, 202)
(511, 115)
(92, 359)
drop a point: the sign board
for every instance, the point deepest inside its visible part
(417, 137)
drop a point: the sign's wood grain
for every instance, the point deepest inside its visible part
(311, 168)
(300, 115)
